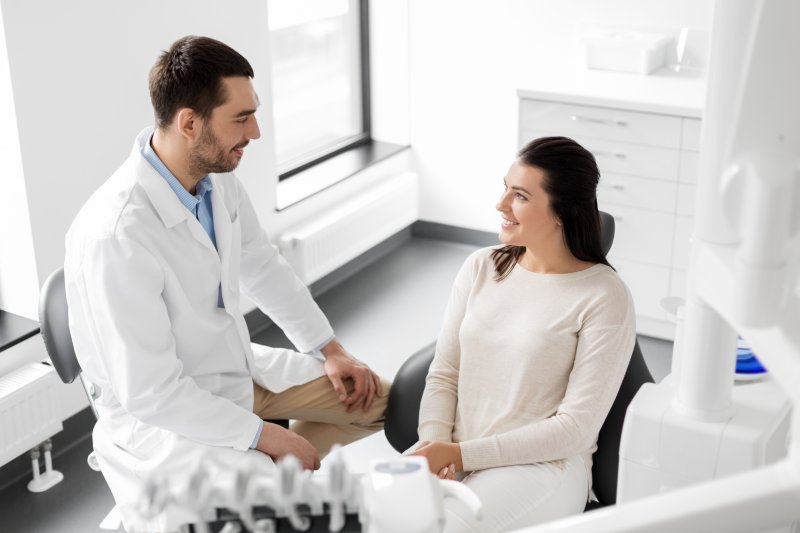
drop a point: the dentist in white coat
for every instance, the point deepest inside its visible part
(155, 262)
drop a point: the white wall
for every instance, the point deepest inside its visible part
(467, 60)
(444, 77)
(17, 269)
(79, 76)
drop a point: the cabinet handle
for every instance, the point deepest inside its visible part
(618, 155)
(617, 218)
(615, 186)
(593, 120)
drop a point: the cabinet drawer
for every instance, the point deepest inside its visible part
(619, 189)
(686, 195)
(648, 285)
(677, 284)
(683, 232)
(573, 120)
(689, 167)
(623, 158)
(642, 236)
(690, 137)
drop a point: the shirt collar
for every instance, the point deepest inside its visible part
(204, 186)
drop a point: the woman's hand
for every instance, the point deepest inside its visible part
(448, 472)
(440, 456)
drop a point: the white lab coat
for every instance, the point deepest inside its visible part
(175, 371)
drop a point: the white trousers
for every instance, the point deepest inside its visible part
(520, 496)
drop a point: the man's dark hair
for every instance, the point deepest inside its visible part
(190, 74)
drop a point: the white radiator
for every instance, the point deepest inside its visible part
(28, 409)
(318, 247)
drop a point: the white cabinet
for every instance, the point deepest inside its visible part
(648, 172)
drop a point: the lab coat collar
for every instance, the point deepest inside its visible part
(222, 220)
(168, 206)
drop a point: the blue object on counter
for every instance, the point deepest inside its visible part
(746, 361)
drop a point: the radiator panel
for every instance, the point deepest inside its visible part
(28, 409)
(317, 248)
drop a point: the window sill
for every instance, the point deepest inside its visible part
(331, 171)
(15, 329)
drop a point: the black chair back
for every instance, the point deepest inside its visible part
(405, 396)
(607, 230)
(54, 324)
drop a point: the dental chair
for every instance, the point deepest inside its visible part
(405, 396)
(54, 325)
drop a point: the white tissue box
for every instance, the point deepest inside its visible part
(626, 50)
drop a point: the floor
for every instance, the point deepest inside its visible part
(383, 314)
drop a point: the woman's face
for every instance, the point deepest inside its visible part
(525, 209)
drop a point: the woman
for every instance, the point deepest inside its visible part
(534, 345)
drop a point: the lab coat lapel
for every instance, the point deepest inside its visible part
(228, 233)
(230, 261)
(166, 203)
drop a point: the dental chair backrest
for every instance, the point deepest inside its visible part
(402, 412)
(54, 325)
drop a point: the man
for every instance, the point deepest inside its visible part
(155, 262)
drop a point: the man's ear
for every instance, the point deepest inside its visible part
(188, 124)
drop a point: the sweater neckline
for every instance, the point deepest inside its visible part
(568, 276)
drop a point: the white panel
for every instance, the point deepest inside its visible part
(683, 232)
(622, 158)
(317, 248)
(690, 138)
(648, 285)
(631, 191)
(70, 398)
(602, 123)
(28, 413)
(642, 236)
(686, 197)
(689, 167)
(19, 285)
(677, 283)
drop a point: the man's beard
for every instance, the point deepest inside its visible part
(210, 157)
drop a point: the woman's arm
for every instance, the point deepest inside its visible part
(438, 408)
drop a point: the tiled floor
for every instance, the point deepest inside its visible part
(382, 315)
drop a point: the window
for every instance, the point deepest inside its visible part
(319, 78)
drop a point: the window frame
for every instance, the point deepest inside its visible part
(365, 137)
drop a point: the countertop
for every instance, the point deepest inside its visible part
(15, 329)
(665, 91)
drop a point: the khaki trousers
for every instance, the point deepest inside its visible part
(318, 413)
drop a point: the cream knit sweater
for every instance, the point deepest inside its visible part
(526, 369)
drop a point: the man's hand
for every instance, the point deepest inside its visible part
(277, 441)
(340, 365)
(440, 456)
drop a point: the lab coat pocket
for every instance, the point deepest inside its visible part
(145, 440)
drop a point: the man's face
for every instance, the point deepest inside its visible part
(231, 126)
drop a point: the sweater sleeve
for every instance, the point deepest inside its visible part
(438, 408)
(605, 344)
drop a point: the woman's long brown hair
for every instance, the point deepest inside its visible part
(570, 182)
